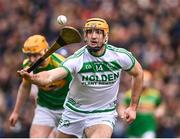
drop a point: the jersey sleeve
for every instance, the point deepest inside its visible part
(56, 59)
(70, 64)
(126, 60)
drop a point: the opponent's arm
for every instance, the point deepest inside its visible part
(44, 77)
(22, 96)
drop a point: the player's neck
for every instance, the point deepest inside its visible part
(100, 52)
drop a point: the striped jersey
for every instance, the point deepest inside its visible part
(53, 95)
(95, 83)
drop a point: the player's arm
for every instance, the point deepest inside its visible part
(137, 74)
(22, 95)
(129, 114)
(45, 77)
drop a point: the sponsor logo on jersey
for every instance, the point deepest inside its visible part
(103, 79)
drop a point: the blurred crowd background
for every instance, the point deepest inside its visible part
(150, 29)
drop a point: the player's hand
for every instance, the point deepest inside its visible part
(129, 115)
(23, 73)
(13, 118)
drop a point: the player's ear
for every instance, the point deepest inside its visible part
(46, 50)
(106, 38)
(85, 38)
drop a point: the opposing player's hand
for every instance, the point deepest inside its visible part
(23, 73)
(129, 115)
(13, 118)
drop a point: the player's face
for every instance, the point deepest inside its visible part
(95, 38)
(35, 56)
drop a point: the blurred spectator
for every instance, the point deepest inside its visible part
(169, 124)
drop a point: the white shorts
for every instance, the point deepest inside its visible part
(73, 123)
(149, 134)
(45, 116)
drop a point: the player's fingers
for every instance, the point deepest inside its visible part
(22, 72)
(12, 122)
(130, 119)
(18, 73)
(124, 116)
(13, 119)
(127, 116)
